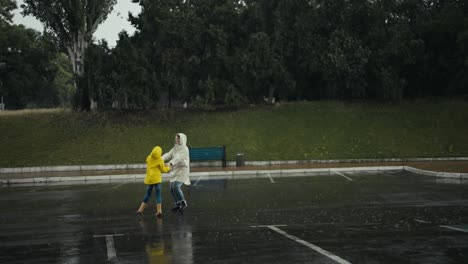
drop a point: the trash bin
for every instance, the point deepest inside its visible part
(240, 159)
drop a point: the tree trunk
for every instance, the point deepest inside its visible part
(76, 52)
(271, 92)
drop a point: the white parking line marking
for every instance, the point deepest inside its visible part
(422, 221)
(111, 253)
(267, 225)
(454, 228)
(119, 185)
(341, 174)
(271, 178)
(34, 190)
(307, 244)
(198, 180)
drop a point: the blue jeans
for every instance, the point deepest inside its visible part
(176, 192)
(157, 189)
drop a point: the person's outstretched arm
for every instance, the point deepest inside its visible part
(180, 157)
(167, 156)
(163, 167)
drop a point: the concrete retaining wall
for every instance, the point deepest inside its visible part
(217, 164)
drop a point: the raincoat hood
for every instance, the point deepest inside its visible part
(157, 152)
(183, 139)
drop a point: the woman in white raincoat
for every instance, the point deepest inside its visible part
(179, 161)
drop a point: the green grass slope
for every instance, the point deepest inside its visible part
(304, 130)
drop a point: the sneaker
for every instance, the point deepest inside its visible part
(159, 215)
(176, 209)
(183, 205)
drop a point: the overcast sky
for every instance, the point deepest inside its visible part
(109, 30)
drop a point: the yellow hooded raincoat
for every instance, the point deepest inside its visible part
(155, 166)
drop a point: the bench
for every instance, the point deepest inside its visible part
(209, 153)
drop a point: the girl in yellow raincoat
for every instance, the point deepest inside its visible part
(154, 168)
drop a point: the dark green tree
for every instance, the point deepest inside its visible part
(73, 23)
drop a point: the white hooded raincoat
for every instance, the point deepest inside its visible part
(179, 160)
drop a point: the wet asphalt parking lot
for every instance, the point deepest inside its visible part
(391, 217)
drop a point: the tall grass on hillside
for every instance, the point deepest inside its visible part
(304, 130)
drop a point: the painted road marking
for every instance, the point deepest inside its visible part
(307, 244)
(267, 225)
(271, 178)
(111, 253)
(34, 190)
(199, 178)
(461, 228)
(422, 221)
(455, 228)
(341, 174)
(119, 185)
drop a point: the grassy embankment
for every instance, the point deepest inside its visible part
(305, 130)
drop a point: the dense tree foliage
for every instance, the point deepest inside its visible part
(32, 71)
(228, 52)
(212, 53)
(73, 22)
